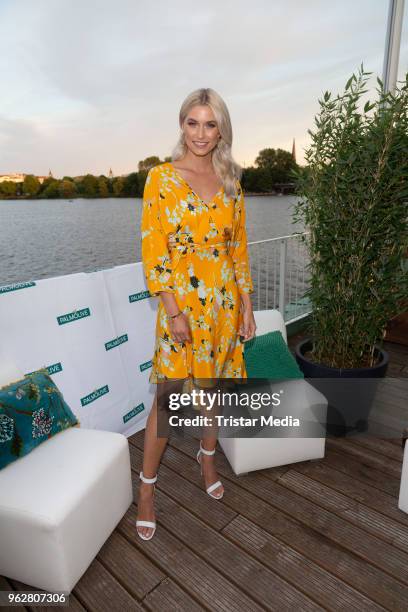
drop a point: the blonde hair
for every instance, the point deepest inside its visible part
(224, 165)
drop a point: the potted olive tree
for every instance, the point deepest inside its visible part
(353, 197)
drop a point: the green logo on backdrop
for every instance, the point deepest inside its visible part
(16, 287)
(73, 316)
(133, 412)
(116, 342)
(51, 369)
(145, 365)
(94, 395)
(142, 295)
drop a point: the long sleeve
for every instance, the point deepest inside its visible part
(155, 255)
(238, 247)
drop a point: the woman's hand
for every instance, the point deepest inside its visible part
(248, 326)
(180, 328)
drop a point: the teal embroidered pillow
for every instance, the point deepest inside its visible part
(31, 411)
(268, 356)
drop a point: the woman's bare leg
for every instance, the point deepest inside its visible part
(209, 442)
(153, 449)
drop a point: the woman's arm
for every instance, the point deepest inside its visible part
(156, 259)
(242, 269)
(155, 254)
(239, 250)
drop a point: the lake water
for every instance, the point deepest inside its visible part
(45, 238)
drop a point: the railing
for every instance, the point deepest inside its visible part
(279, 275)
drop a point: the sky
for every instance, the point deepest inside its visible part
(91, 84)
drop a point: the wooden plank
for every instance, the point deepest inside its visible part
(99, 591)
(314, 580)
(129, 566)
(364, 517)
(398, 356)
(339, 530)
(231, 561)
(187, 491)
(393, 348)
(169, 596)
(352, 467)
(365, 456)
(199, 579)
(382, 430)
(378, 445)
(397, 441)
(196, 534)
(391, 393)
(313, 545)
(356, 490)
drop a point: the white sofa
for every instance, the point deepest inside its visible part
(246, 454)
(403, 494)
(60, 503)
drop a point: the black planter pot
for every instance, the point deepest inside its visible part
(349, 391)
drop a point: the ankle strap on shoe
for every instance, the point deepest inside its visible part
(147, 480)
(206, 452)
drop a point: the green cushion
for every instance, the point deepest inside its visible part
(31, 411)
(268, 356)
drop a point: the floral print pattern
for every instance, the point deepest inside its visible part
(198, 252)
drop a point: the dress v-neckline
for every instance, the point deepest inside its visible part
(192, 190)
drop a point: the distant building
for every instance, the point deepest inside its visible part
(110, 175)
(14, 178)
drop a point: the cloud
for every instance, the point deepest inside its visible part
(89, 85)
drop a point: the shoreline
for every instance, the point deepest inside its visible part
(249, 194)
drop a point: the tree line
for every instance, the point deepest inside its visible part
(271, 167)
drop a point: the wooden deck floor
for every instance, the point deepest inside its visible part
(314, 535)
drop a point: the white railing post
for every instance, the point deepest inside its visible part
(282, 276)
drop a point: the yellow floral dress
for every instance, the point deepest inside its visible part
(198, 252)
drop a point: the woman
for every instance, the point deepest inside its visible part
(194, 253)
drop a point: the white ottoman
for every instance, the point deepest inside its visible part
(261, 451)
(301, 400)
(403, 495)
(60, 503)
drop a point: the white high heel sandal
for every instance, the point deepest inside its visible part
(215, 485)
(151, 524)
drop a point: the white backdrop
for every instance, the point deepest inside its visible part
(94, 332)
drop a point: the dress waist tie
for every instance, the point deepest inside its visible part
(180, 248)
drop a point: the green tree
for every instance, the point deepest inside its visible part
(103, 187)
(48, 181)
(31, 185)
(67, 188)
(8, 188)
(52, 189)
(89, 186)
(276, 165)
(118, 186)
(148, 163)
(131, 185)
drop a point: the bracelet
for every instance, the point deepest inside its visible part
(174, 316)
